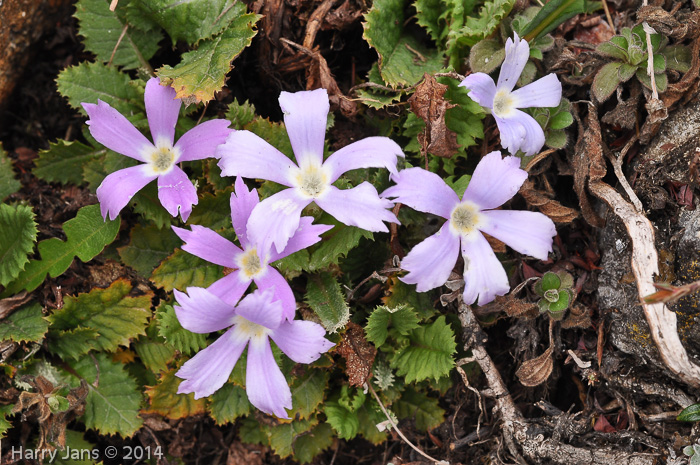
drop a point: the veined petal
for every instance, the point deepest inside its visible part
(430, 262)
(208, 245)
(360, 206)
(302, 341)
(484, 276)
(119, 187)
(282, 293)
(246, 154)
(517, 54)
(543, 93)
(372, 152)
(495, 181)
(206, 372)
(529, 233)
(423, 191)
(307, 235)
(176, 192)
(481, 87)
(261, 308)
(275, 220)
(265, 384)
(162, 109)
(202, 312)
(520, 131)
(242, 203)
(230, 288)
(111, 129)
(201, 141)
(305, 115)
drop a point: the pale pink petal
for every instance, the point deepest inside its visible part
(372, 152)
(231, 287)
(520, 131)
(423, 191)
(543, 93)
(176, 192)
(162, 109)
(512, 134)
(118, 188)
(302, 341)
(111, 129)
(360, 206)
(276, 219)
(206, 372)
(242, 203)
(305, 115)
(484, 276)
(261, 308)
(208, 245)
(430, 262)
(201, 311)
(265, 384)
(517, 54)
(202, 140)
(529, 233)
(272, 279)
(307, 235)
(495, 181)
(246, 154)
(481, 87)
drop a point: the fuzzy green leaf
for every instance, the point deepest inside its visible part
(309, 445)
(486, 55)
(24, 325)
(229, 403)
(169, 328)
(613, 50)
(63, 162)
(17, 236)
(690, 413)
(148, 247)
(550, 281)
(325, 298)
(606, 81)
(336, 244)
(423, 409)
(8, 183)
(182, 270)
(677, 57)
(429, 353)
(344, 422)
(308, 392)
(402, 319)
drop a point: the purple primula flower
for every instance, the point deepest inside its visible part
(277, 217)
(252, 263)
(253, 322)
(519, 131)
(175, 191)
(494, 182)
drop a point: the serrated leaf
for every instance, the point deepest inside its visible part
(229, 403)
(281, 438)
(148, 247)
(164, 400)
(5, 425)
(63, 162)
(465, 117)
(423, 409)
(18, 232)
(309, 445)
(169, 328)
(202, 72)
(370, 415)
(153, 351)
(8, 183)
(213, 210)
(86, 235)
(181, 270)
(147, 204)
(429, 353)
(343, 421)
(308, 392)
(240, 114)
(428, 15)
(111, 38)
(490, 16)
(336, 244)
(401, 293)
(325, 298)
(24, 325)
(74, 343)
(402, 319)
(112, 404)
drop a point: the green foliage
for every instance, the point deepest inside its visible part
(423, 409)
(153, 351)
(75, 445)
(282, 437)
(690, 413)
(229, 403)
(555, 12)
(465, 117)
(17, 236)
(553, 122)
(406, 294)
(490, 16)
(324, 296)
(181, 270)
(376, 97)
(86, 235)
(308, 392)
(164, 400)
(169, 328)
(8, 184)
(343, 420)
(400, 320)
(148, 247)
(309, 445)
(63, 162)
(694, 453)
(213, 211)
(429, 353)
(556, 290)
(240, 114)
(5, 425)
(24, 325)
(336, 244)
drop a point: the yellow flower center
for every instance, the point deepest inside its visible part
(252, 330)
(312, 181)
(503, 103)
(162, 159)
(466, 218)
(249, 263)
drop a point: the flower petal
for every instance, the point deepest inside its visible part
(119, 187)
(242, 203)
(176, 192)
(162, 110)
(543, 93)
(261, 308)
(230, 288)
(275, 220)
(481, 87)
(305, 115)
(360, 206)
(202, 140)
(246, 154)
(272, 279)
(529, 233)
(423, 191)
(517, 54)
(206, 372)
(208, 245)
(302, 341)
(111, 129)
(430, 262)
(265, 384)
(202, 312)
(484, 276)
(520, 131)
(372, 152)
(307, 235)
(495, 181)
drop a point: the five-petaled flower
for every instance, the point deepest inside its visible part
(253, 262)
(253, 322)
(519, 131)
(495, 181)
(276, 218)
(175, 191)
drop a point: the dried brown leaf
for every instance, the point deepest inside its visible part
(358, 354)
(578, 317)
(9, 304)
(589, 164)
(547, 205)
(536, 371)
(429, 104)
(515, 307)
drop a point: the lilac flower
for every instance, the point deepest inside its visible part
(252, 263)
(114, 131)
(519, 131)
(277, 217)
(494, 182)
(254, 320)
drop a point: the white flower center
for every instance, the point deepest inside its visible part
(312, 181)
(503, 103)
(250, 264)
(162, 159)
(250, 329)
(466, 218)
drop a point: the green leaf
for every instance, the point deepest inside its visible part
(423, 409)
(281, 438)
(490, 16)
(552, 14)
(370, 415)
(406, 294)
(562, 302)
(63, 162)
(213, 210)
(5, 425)
(86, 235)
(240, 114)
(182, 270)
(74, 343)
(309, 445)
(24, 325)
(153, 351)
(465, 117)
(556, 139)
(661, 79)
(429, 353)
(164, 399)
(613, 49)
(344, 422)
(113, 402)
(148, 247)
(486, 55)
(202, 72)
(325, 298)
(104, 31)
(229, 403)
(677, 57)
(336, 244)
(169, 328)
(18, 232)
(690, 413)
(550, 281)
(147, 204)
(402, 319)
(606, 81)
(374, 97)
(308, 392)
(74, 453)
(8, 184)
